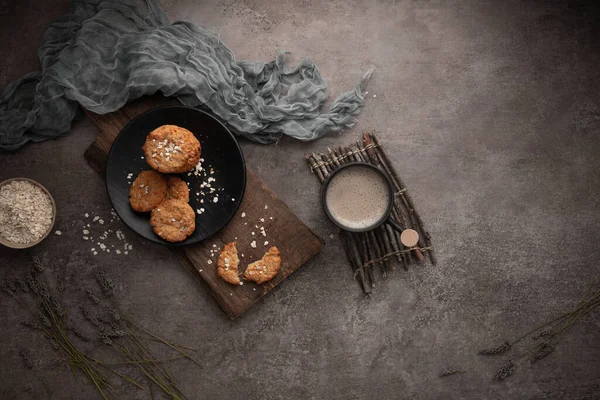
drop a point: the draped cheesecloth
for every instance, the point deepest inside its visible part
(105, 53)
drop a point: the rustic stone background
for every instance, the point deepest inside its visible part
(490, 111)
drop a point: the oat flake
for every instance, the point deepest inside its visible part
(25, 212)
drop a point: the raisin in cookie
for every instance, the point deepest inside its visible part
(173, 220)
(227, 264)
(171, 149)
(177, 189)
(147, 191)
(266, 268)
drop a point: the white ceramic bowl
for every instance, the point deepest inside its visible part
(14, 245)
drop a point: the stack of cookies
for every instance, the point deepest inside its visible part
(169, 149)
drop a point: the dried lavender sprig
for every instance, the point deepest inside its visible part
(116, 333)
(25, 356)
(88, 315)
(33, 282)
(5, 287)
(60, 283)
(450, 372)
(37, 264)
(496, 350)
(56, 305)
(53, 342)
(106, 339)
(544, 333)
(80, 334)
(44, 319)
(506, 370)
(115, 325)
(11, 285)
(545, 349)
(113, 313)
(44, 292)
(92, 296)
(22, 285)
(31, 325)
(106, 284)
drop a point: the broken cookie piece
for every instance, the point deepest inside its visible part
(264, 269)
(227, 264)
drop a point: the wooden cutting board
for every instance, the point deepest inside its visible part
(261, 208)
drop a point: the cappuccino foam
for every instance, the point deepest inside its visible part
(357, 197)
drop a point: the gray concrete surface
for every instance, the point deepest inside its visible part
(490, 110)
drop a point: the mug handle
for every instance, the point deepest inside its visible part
(409, 235)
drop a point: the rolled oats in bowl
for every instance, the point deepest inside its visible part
(26, 213)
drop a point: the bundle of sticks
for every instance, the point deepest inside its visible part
(382, 246)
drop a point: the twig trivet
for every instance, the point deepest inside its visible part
(382, 245)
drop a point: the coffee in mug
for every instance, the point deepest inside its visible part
(358, 198)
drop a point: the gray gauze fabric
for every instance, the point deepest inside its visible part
(105, 53)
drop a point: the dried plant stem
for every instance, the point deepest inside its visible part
(405, 197)
(362, 245)
(352, 241)
(311, 161)
(320, 165)
(376, 241)
(592, 302)
(393, 236)
(571, 320)
(558, 326)
(451, 372)
(171, 345)
(354, 256)
(348, 242)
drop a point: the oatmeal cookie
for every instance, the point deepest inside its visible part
(171, 149)
(227, 264)
(266, 268)
(173, 220)
(177, 189)
(147, 191)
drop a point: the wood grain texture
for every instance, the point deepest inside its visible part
(296, 242)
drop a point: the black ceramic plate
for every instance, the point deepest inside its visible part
(220, 153)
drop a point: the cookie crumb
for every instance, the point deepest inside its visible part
(253, 244)
(58, 233)
(266, 242)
